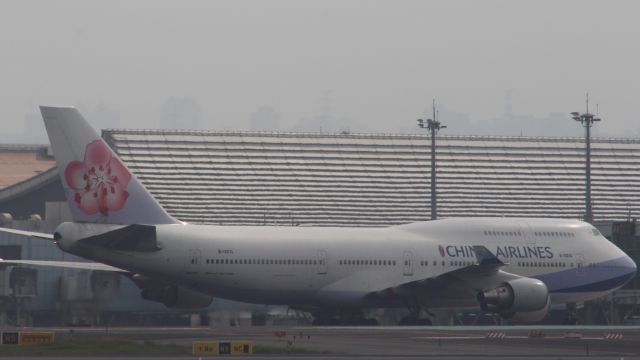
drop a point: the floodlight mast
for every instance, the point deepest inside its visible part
(586, 120)
(433, 126)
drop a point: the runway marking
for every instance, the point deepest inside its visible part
(449, 338)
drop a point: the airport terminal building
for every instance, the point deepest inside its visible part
(315, 179)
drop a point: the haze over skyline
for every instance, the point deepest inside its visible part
(494, 67)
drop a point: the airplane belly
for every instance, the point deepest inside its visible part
(572, 297)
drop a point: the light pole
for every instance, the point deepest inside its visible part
(433, 126)
(587, 119)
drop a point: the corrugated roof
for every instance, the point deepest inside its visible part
(375, 179)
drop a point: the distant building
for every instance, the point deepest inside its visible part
(266, 118)
(26, 179)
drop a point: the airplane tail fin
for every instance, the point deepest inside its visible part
(98, 186)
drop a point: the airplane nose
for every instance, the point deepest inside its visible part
(631, 265)
(628, 268)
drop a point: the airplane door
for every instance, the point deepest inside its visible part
(579, 264)
(407, 262)
(193, 261)
(526, 234)
(322, 262)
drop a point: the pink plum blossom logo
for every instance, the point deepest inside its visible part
(441, 250)
(100, 182)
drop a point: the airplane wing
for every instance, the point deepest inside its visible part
(64, 264)
(457, 284)
(34, 234)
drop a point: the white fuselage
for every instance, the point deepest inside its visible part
(306, 266)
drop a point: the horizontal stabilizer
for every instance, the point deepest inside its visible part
(35, 234)
(64, 264)
(129, 238)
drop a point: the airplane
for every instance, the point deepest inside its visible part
(513, 267)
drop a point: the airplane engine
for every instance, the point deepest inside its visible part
(523, 299)
(176, 297)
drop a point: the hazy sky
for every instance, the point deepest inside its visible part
(379, 63)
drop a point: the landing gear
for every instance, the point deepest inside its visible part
(418, 316)
(342, 317)
(571, 318)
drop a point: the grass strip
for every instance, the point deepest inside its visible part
(95, 347)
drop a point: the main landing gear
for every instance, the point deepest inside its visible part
(571, 316)
(416, 316)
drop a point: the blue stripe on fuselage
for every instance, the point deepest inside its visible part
(601, 277)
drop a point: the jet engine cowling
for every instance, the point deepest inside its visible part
(176, 297)
(524, 299)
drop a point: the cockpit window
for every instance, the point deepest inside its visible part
(595, 232)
